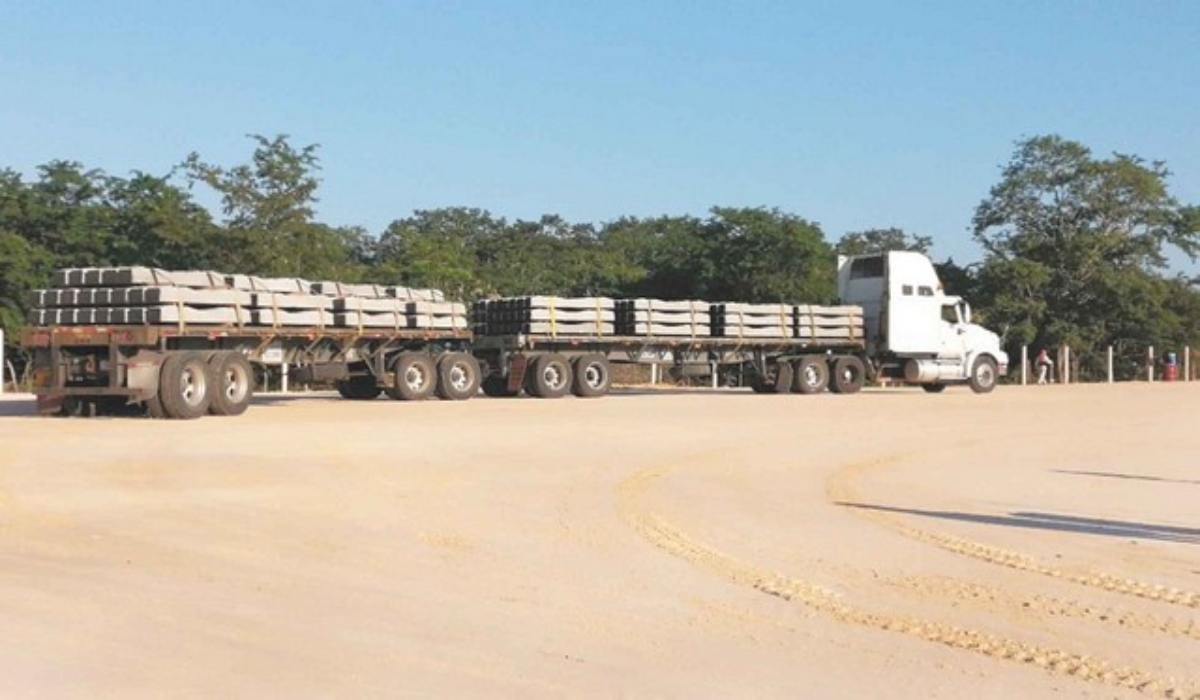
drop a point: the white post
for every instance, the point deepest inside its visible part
(715, 378)
(283, 382)
(1110, 364)
(1066, 365)
(653, 373)
(1187, 363)
(1150, 364)
(1024, 365)
(2, 362)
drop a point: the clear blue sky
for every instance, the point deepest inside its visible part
(852, 114)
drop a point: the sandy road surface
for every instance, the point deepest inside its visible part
(1039, 542)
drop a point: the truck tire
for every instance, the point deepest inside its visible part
(551, 376)
(783, 377)
(810, 375)
(185, 385)
(983, 375)
(847, 375)
(359, 388)
(233, 385)
(591, 376)
(933, 388)
(458, 376)
(415, 377)
(496, 386)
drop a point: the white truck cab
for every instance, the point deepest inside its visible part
(914, 331)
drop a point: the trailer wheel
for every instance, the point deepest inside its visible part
(234, 384)
(847, 376)
(184, 386)
(496, 386)
(983, 375)
(783, 377)
(358, 388)
(551, 376)
(415, 377)
(810, 375)
(933, 388)
(592, 377)
(458, 376)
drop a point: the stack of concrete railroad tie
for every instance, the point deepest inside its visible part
(390, 312)
(828, 323)
(552, 316)
(779, 321)
(663, 319)
(752, 321)
(149, 296)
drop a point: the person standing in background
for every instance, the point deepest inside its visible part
(1043, 366)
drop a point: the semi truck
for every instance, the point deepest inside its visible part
(895, 322)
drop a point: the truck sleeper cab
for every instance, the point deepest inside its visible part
(916, 333)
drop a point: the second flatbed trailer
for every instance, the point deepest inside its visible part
(549, 366)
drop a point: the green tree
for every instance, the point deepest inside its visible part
(158, 224)
(268, 208)
(882, 240)
(61, 219)
(765, 255)
(24, 266)
(671, 257)
(1074, 247)
(959, 280)
(599, 267)
(550, 256)
(436, 248)
(65, 212)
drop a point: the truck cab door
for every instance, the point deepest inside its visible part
(951, 332)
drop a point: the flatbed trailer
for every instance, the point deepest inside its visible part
(185, 371)
(549, 366)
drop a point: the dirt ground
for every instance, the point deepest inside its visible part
(1035, 542)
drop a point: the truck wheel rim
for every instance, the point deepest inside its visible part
(460, 377)
(415, 378)
(236, 384)
(811, 376)
(594, 376)
(192, 386)
(984, 375)
(553, 376)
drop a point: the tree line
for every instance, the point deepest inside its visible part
(1073, 245)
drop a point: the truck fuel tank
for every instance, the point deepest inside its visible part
(928, 371)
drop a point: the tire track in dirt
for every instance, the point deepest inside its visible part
(1043, 606)
(633, 505)
(841, 491)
